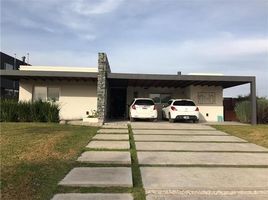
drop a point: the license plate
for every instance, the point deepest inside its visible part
(144, 108)
(186, 117)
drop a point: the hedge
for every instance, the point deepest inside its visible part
(22, 111)
(243, 111)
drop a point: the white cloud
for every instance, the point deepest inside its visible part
(223, 47)
(88, 37)
(83, 7)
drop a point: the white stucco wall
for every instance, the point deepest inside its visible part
(76, 97)
(208, 112)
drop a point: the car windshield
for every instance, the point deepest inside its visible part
(144, 102)
(183, 103)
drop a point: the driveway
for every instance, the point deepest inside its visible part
(195, 161)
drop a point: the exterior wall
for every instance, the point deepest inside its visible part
(76, 97)
(145, 92)
(25, 90)
(208, 112)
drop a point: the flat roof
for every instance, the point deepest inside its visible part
(135, 80)
(28, 74)
(160, 80)
(57, 68)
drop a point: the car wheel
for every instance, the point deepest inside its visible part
(195, 121)
(169, 119)
(132, 119)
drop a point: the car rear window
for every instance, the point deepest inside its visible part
(183, 103)
(144, 102)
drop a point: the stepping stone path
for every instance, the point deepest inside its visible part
(104, 176)
(105, 157)
(111, 137)
(180, 161)
(177, 161)
(108, 145)
(92, 196)
(113, 131)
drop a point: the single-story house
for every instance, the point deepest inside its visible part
(80, 91)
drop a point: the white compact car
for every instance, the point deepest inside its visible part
(181, 109)
(142, 108)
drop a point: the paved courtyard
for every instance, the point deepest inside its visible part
(177, 161)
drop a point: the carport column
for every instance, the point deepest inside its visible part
(253, 101)
(103, 69)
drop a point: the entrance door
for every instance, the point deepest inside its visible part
(118, 103)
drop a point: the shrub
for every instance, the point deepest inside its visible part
(53, 113)
(9, 110)
(243, 112)
(24, 112)
(38, 111)
(262, 111)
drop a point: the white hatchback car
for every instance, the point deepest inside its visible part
(181, 109)
(142, 108)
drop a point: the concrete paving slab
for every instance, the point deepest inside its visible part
(206, 146)
(187, 138)
(202, 158)
(208, 178)
(112, 157)
(108, 145)
(118, 125)
(207, 197)
(98, 177)
(170, 126)
(178, 132)
(92, 196)
(113, 130)
(111, 137)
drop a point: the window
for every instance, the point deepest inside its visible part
(40, 93)
(206, 98)
(53, 94)
(144, 102)
(8, 66)
(44, 93)
(183, 103)
(160, 98)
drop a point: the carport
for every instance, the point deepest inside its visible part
(118, 84)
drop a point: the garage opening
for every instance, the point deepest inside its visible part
(117, 103)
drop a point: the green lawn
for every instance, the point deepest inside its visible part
(35, 156)
(256, 134)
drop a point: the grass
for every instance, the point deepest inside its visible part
(257, 134)
(138, 190)
(35, 156)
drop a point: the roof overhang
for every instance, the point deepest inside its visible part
(55, 75)
(159, 80)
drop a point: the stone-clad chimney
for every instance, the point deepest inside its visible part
(103, 69)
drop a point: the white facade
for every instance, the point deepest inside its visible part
(76, 98)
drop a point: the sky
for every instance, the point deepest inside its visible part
(143, 36)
